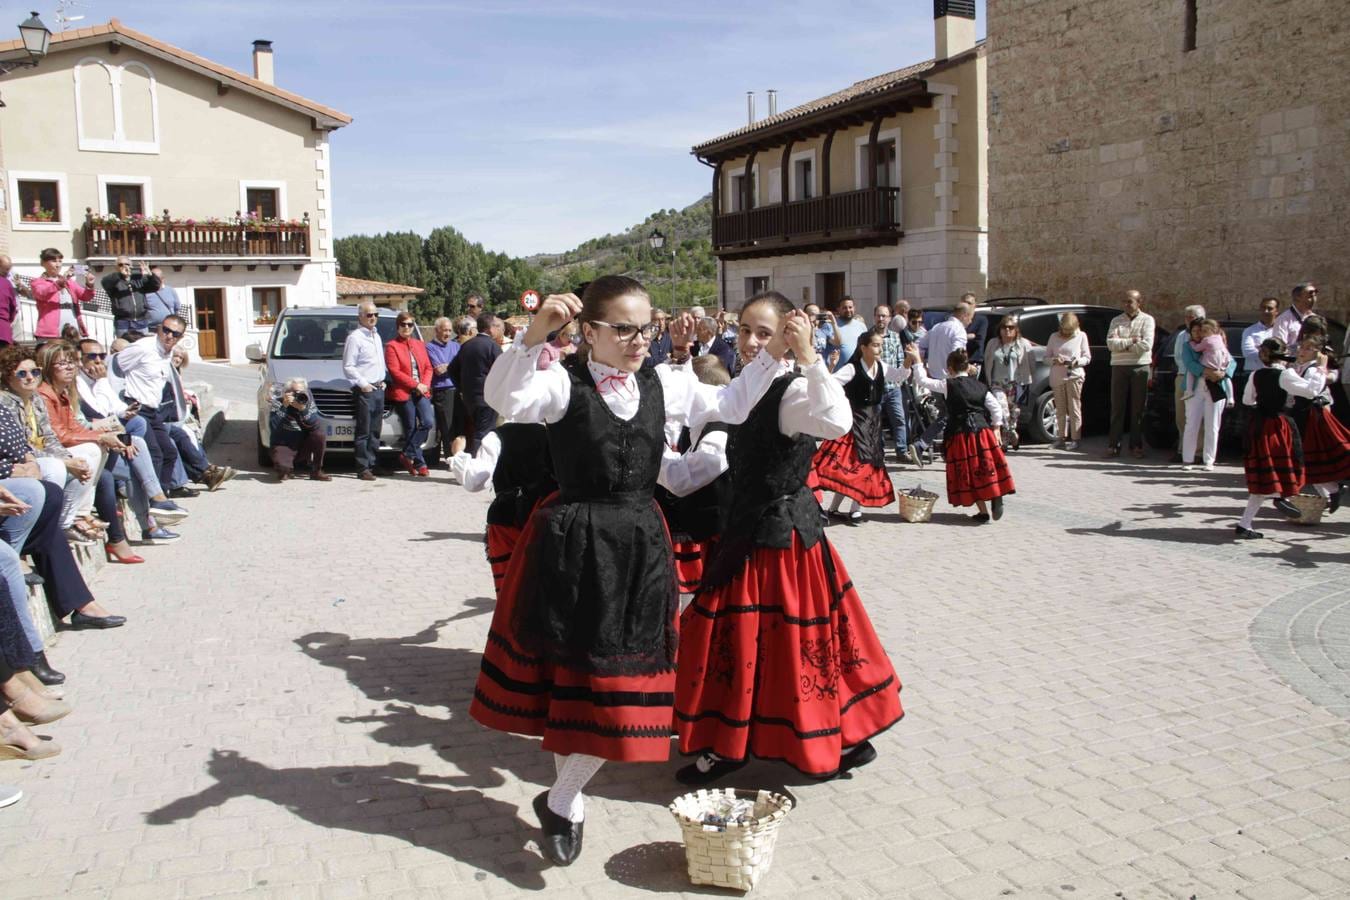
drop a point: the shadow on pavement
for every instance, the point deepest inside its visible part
(470, 536)
(659, 868)
(394, 799)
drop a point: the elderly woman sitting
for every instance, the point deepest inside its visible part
(297, 438)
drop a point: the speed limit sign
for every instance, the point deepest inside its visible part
(530, 300)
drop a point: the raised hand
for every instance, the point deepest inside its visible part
(681, 330)
(555, 312)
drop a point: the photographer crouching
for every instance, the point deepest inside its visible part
(297, 439)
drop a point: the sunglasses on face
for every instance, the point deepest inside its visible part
(369, 315)
(405, 324)
(170, 333)
(90, 357)
(626, 333)
(28, 374)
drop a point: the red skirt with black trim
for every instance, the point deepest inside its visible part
(839, 469)
(501, 541)
(1271, 462)
(620, 717)
(976, 467)
(689, 559)
(782, 663)
(1326, 447)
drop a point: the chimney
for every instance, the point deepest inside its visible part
(262, 61)
(773, 102)
(954, 27)
(749, 107)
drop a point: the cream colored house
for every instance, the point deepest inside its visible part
(876, 191)
(117, 143)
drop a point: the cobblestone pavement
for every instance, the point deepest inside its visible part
(1106, 697)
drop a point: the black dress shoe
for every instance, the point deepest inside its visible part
(1288, 508)
(1335, 502)
(43, 671)
(860, 755)
(693, 776)
(980, 518)
(182, 493)
(562, 837)
(996, 506)
(1246, 534)
(80, 620)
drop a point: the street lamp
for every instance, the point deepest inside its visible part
(36, 39)
(656, 240)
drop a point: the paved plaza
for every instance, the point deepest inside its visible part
(1106, 696)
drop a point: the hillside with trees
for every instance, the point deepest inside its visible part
(450, 267)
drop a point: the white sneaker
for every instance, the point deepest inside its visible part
(9, 795)
(1057, 445)
(1188, 467)
(1070, 445)
(1208, 467)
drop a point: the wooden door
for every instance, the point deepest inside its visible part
(211, 338)
(832, 289)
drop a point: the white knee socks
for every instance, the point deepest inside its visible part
(1254, 502)
(838, 501)
(574, 770)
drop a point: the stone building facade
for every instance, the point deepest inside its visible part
(1197, 150)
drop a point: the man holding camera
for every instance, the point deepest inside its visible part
(126, 292)
(297, 438)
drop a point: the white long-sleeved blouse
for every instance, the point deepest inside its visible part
(939, 386)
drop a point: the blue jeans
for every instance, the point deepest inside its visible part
(122, 326)
(14, 531)
(194, 460)
(893, 414)
(160, 442)
(417, 416)
(368, 408)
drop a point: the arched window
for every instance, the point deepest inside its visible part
(116, 108)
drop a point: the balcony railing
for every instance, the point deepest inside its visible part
(869, 211)
(107, 236)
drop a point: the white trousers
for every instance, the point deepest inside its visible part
(79, 495)
(1202, 413)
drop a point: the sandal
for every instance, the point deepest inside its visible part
(75, 536)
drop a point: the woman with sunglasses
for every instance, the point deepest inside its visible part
(74, 470)
(409, 391)
(581, 649)
(62, 400)
(1009, 361)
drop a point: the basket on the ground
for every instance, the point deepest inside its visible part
(917, 505)
(731, 855)
(1311, 506)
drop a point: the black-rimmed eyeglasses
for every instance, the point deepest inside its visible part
(626, 333)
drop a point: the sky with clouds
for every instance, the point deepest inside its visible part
(533, 126)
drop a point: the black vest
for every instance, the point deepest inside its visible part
(524, 473)
(769, 499)
(864, 392)
(965, 405)
(1270, 397)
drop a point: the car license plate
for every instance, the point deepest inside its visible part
(341, 430)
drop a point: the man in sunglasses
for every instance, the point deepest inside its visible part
(363, 364)
(145, 366)
(126, 290)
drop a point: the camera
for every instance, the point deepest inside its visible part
(822, 319)
(301, 397)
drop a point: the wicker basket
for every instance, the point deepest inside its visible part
(1311, 506)
(735, 856)
(917, 507)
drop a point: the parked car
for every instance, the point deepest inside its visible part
(307, 342)
(1160, 428)
(1038, 321)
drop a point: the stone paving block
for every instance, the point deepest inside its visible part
(1277, 889)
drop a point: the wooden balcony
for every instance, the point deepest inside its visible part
(168, 238)
(867, 217)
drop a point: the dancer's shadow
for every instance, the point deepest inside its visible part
(409, 674)
(1298, 555)
(393, 799)
(473, 537)
(1167, 535)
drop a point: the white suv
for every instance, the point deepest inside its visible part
(306, 342)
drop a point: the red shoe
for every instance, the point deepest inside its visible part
(407, 464)
(128, 560)
(423, 471)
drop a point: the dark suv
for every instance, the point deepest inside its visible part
(1038, 322)
(1160, 429)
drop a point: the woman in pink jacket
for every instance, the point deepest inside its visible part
(58, 297)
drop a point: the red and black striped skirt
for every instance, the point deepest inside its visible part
(501, 542)
(689, 559)
(976, 467)
(1326, 447)
(839, 469)
(782, 663)
(1272, 461)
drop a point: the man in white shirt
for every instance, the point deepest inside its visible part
(850, 327)
(952, 334)
(1290, 322)
(363, 364)
(1257, 332)
(144, 366)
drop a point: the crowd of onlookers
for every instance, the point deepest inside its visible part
(92, 440)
